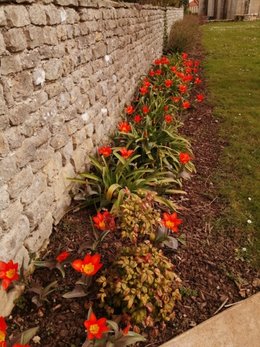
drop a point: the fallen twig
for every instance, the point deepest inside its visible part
(222, 305)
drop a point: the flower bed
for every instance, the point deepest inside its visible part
(132, 184)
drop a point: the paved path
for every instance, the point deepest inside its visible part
(238, 326)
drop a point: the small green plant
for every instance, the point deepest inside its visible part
(139, 217)
(42, 293)
(112, 176)
(102, 332)
(141, 283)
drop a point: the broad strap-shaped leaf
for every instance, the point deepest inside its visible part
(111, 190)
(27, 335)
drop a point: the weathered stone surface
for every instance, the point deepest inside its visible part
(4, 197)
(15, 40)
(53, 69)
(4, 147)
(2, 44)
(15, 236)
(19, 114)
(30, 59)
(39, 77)
(10, 215)
(38, 237)
(10, 64)
(20, 182)
(17, 16)
(52, 15)
(53, 167)
(34, 36)
(38, 185)
(8, 169)
(43, 156)
(22, 85)
(3, 21)
(26, 152)
(37, 14)
(40, 207)
(14, 137)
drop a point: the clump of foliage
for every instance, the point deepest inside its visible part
(139, 217)
(184, 35)
(142, 284)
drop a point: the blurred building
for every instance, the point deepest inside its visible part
(230, 9)
(194, 6)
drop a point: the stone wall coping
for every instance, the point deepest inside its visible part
(89, 4)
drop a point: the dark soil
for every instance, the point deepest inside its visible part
(212, 275)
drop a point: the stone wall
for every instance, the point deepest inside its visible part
(67, 68)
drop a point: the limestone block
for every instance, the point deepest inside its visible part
(15, 40)
(60, 208)
(4, 147)
(53, 167)
(54, 89)
(70, 113)
(38, 237)
(12, 241)
(50, 36)
(42, 158)
(38, 98)
(72, 16)
(40, 207)
(22, 84)
(66, 2)
(52, 15)
(8, 169)
(37, 14)
(74, 125)
(38, 185)
(34, 36)
(79, 137)
(53, 69)
(17, 16)
(82, 103)
(79, 158)
(14, 137)
(84, 28)
(9, 217)
(19, 113)
(89, 129)
(99, 50)
(59, 140)
(20, 182)
(2, 44)
(3, 21)
(4, 197)
(30, 59)
(39, 77)
(67, 172)
(76, 30)
(26, 153)
(61, 32)
(67, 151)
(63, 101)
(10, 64)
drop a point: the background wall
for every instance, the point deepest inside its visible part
(67, 68)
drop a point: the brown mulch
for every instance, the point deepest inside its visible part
(211, 275)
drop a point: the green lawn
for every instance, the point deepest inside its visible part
(232, 68)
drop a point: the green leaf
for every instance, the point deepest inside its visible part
(112, 189)
(27, 335)
(77, 292)
(91, 176)
(113, 325)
